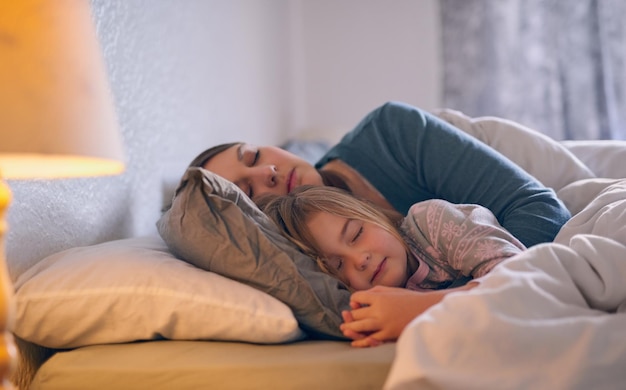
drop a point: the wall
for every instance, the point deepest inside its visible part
(350, 56)
(184, 75)
(187, 74)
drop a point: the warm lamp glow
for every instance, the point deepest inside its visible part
(42, 166)
(54, 94)
(56, 112)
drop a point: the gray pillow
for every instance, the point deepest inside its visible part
(213, 225)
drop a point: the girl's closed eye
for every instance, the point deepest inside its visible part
(352, 231)
(339, 264)
(334, 263)
(358, 234)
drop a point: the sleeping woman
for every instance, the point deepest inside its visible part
(396, 156)
(396, 267)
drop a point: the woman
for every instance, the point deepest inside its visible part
(437, 246)
(399, 155)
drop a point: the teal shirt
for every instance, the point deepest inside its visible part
(410, 156)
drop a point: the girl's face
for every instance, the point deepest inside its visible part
(259, 170)
(361, 254)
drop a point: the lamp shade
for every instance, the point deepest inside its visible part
(57, 117)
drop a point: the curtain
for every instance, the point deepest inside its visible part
(558, 66)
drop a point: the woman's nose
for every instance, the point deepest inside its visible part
(267, 175)
(271, 176)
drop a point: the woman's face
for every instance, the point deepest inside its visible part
(362, 254)
(259, 170)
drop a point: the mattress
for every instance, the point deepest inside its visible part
(196, 365)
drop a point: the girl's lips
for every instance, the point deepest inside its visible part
(291, 180)
(379, 269)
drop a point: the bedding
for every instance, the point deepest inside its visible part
(549, 161)
(564, 299)
(134, 289)
(605, 156)
(552, 317)
(227, 234)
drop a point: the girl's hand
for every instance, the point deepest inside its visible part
(381, 313)
(347, 318)
(359, 339)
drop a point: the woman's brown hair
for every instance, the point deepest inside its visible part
(208, 154)
(204, 157)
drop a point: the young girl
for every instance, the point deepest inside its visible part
(436, 249)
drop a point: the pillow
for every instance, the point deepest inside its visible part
(577, 195)
(134, 289)
(602, 216)
(213, 225)
(546, 159)
(604, 157)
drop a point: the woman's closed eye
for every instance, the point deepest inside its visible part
(249, 155)
(246, 187)
(251, 158)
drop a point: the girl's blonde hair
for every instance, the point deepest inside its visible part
(291, 213)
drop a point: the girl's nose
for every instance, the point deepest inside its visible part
(361, 261)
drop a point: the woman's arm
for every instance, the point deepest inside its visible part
(410, 156)
(381, 313)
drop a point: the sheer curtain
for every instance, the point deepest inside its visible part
(558, 66)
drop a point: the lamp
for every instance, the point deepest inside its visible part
(57, 118)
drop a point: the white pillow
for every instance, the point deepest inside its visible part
(577, 195)
(604, 157)
(134, 289)
(546, 159)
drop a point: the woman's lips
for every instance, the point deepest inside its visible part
(291, 180)
(379, 269)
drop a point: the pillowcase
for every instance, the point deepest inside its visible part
(213, 225)
(546, 159)
(134, 289)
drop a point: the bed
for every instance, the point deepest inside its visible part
(131, 314)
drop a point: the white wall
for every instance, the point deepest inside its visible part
(349, 56)
(188, 74)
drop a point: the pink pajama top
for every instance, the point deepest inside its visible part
(450, 244)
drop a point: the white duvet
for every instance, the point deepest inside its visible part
(553, 317)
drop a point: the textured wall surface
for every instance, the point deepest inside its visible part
(185, 74)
